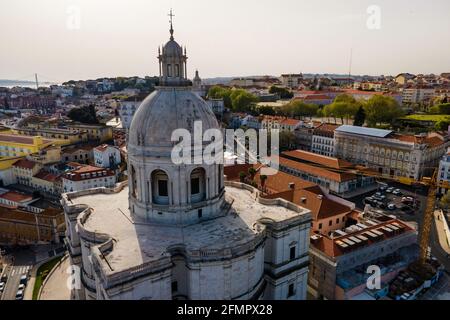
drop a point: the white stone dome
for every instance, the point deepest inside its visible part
(164, 111)
(172, 48)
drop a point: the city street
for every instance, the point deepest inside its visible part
(20, 261)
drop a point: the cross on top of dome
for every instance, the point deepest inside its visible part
(171, 15)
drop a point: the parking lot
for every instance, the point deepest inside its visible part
(406, 203)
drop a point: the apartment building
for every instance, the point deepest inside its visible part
(323, 139)
(417, 95)
(340, 260)
(84, 177)
(390, 153)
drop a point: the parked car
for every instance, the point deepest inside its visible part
(2, 286)
(381, 205)
(383, 188)
(391, 206)
(397, 192)
(21, 287)
(19, 295)
(23, 279)
(407, 199)
(369, 200)
(389, 190)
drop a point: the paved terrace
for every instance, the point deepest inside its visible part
(137, 243)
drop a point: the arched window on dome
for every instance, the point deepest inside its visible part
(169, 70)
(177, 70)
(160, 187)
(133, 182)
(198, 185)
(219, 177)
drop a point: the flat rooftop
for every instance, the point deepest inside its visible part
(371, 132)
(138, 243)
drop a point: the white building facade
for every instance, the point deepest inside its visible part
(106, 156)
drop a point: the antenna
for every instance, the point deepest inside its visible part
(350, 63)
(37, 82)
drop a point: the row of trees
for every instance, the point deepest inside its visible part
(375, 111)
(238, 100)
(378, 110)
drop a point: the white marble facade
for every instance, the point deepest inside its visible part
(181, 231)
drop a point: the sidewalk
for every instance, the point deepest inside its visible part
(55, 285)
(443, 240)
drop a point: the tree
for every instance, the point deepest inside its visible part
(84, 114)
(442, 125)
(242, 100)
(265, 110)
(263, 179)
(360, 117)
(282, 92)
(299, 109)
(287, 140)
(242, 176)
(217, 92)
(381, 109)
(343, 106)
(252, 172)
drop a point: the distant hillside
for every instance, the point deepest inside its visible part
(21, 83)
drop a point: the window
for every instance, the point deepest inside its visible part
(291, 290)
(337, 221)
(330, 223)
(195, 185)
(177, 70)
(292, 253)
(174, 286)
(162, 188)
(200, 213)
(169, 70)
(320, 226)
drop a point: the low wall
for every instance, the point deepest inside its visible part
(446, 227)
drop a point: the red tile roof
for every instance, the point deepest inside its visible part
(16, 197)
(25, 164)
(313, 170)
(86, 172)
(19, 139)
(47, 176)
(315, 158)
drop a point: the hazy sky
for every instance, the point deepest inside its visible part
(223, 37)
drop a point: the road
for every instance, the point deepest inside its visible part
(20, 262)
(23, 261)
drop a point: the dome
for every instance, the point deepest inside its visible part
(172, 48)
(164, 111)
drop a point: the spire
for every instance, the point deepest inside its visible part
(171, 15)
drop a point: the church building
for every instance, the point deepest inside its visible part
(181, 231)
